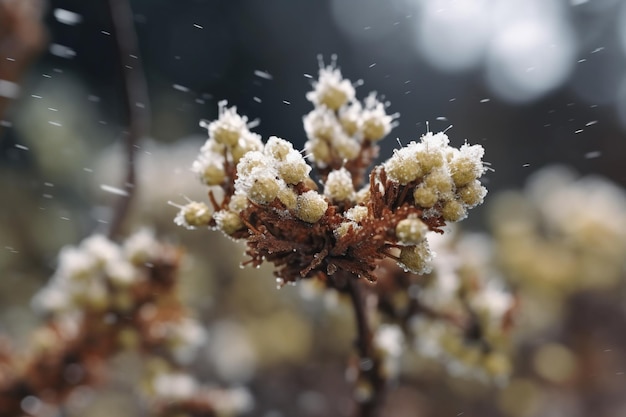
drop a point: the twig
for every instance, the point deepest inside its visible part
(137, 102)
(368, 401)
(22, 37)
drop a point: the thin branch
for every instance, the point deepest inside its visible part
(368, 402)
(22, 37)
(137, 102)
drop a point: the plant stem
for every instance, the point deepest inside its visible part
(370, 379)
(22, 38)
(137, 102)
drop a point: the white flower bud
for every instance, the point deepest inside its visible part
(227, 221)
(264, 189)
(467, 165)
(310, 207)
(376, 123)
(453, 211)
(209, 170)
(248, 142)
(417, 258)
(278, 148)
(425, 197)
(294, 169)
(338, 186)
(331, 90)
(229, 126)
(404, 166)
(357, 213)
(411, 231)
(193, 215)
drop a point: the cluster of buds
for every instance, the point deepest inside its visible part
(103, 299)
(342, 131)
(460, 314)
(469, 312)
(559, 236)
(267, 197)
(573, 229)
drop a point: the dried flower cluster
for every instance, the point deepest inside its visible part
(460, 314)
(264, 193)
(104, 299)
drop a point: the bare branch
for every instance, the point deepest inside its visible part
(137, 102)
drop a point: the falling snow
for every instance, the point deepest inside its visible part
(113, 190)
(263, 74)
(62, 51)
(67, 17)
(593, 154)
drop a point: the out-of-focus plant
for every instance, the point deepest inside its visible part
(560, 236)
(103, 299)
(561, 242)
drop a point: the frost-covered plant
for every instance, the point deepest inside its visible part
(104, 299)
(264, 195)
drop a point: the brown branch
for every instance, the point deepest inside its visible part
(137, 102)
(369, 363)
(22, 37)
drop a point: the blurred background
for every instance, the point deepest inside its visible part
(536, 82)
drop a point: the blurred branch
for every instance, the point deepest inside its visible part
(370, 384)
(137, 102)
(22, 37)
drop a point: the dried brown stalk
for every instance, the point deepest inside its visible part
(22, 38)
(137, 103)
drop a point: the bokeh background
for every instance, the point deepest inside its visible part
(536, 82)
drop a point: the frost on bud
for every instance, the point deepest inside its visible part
(425, 197)
(288, 197)
(310, 207)
(346, 147)
(338, 186)
(252, 161)
(209, 170)
(294, 169)
(430, 159)
(404, 166)
(229, 126)
(278, 148)
(321, 123)
(467, 165)
(193, 215)
(350, 118)
(472, 194)
(411, 231)
(319, 152)
(238, 202)
(453, 211)
(357, 213)
(331, 90)
(248, 142)
(227, 221)
(376, 123)
(344, 228)
(264, 189)
(439, 181)
(416, 259)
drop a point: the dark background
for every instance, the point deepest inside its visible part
(212, 48)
